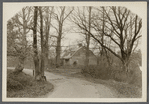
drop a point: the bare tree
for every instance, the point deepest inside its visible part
(42, 66)
(104, 53)
(123, 29)
(119, 26)
(60, 17)
(83, 17)
(20, 24)
(88, 38)
(48, 18)
(36, 58)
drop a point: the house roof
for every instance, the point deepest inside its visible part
(69, 53)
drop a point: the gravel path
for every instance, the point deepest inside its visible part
(66, 87)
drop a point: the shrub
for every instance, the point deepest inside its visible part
(133, 76)
(101, 71)
(115, 71)
(136, 77)
(23, 85)
(13, 85)
(122, 76)
(15, 82)
(13, 62)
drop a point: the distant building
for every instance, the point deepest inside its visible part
(76, 57)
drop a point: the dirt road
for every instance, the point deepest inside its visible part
(68, 87)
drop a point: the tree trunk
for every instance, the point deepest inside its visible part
(88, 42)
(47, 48)
(37, 69)
(125, 65)
(42, 66)
(35, 57)
(102, 39)
(58, 50)
(48, 22)
(58, 47)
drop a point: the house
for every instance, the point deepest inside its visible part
(76, 57)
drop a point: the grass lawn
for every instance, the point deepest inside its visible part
(24, 86)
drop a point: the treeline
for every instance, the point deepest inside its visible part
(34, 31)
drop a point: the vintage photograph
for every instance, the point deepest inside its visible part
(75, 50)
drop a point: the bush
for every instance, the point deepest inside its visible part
(133, 76)
(136, 77)
(13, 62)
(17, 81)
(23, 85)
(101, 71)
(13, 85)
(115, 71)
(122, 76)
(105, 72)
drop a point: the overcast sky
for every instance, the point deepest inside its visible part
(13, 8)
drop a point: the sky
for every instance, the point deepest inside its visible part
(13, 8)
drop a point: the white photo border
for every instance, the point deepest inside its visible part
(139, 6)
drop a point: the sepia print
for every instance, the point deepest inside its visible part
(76, 51)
